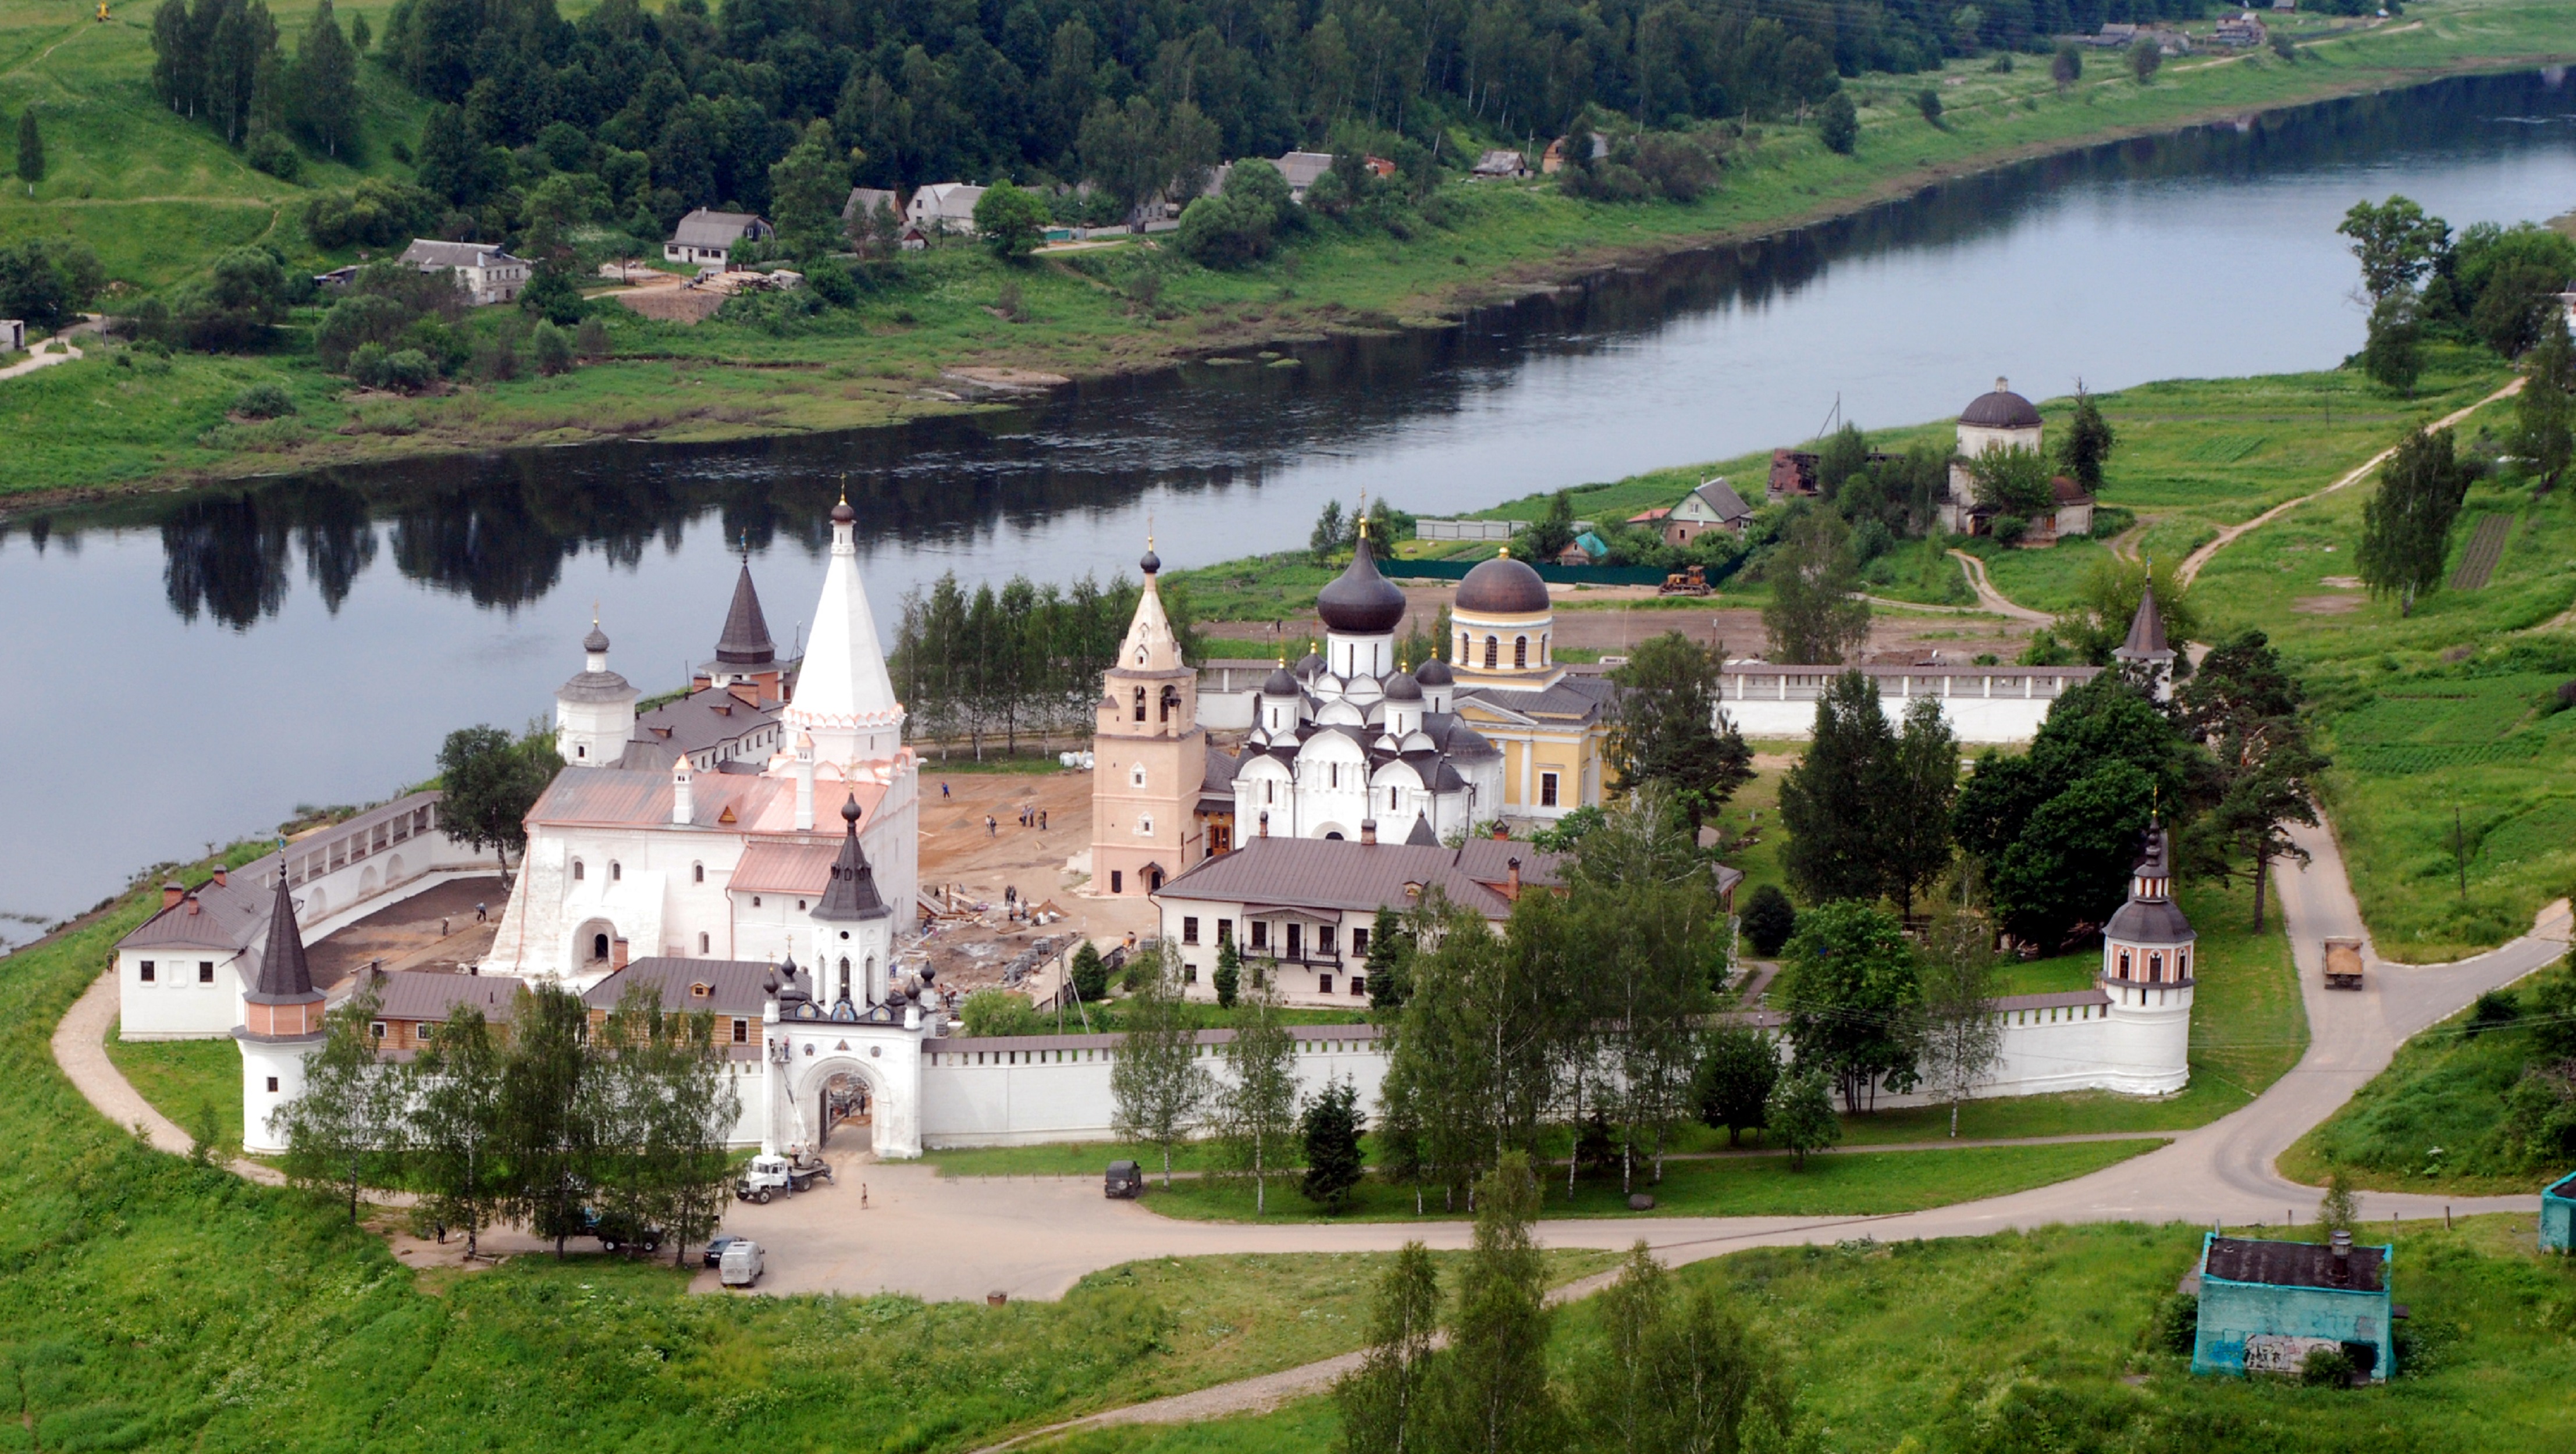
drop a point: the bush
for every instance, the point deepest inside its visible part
(827, 277)
(2009, 529)
(1216, 232)
(377, 213)
(47, 283)
(2494, 1010)
(550, 295)
(1011, 221)
(550, 350)
(1928, 101)
(1090, 975)
(1838, 124)
(989, 1012)
(274, 154)
(2326, 1368)
(591, 341)
(1769, 920)
(2144, 58)
(266, 399)
(2067, 66)
(2177, 1326)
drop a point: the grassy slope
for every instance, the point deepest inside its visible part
(140, 163)
(2429, 1121)
(190, 1081)
(152, 1302)
(2040, 1342)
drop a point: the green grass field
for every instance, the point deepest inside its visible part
(159, 198)
(2045, 1342)
(193, 1082)
(151, 1303)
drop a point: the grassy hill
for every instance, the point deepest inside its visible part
(157, 195)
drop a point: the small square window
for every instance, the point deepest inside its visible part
(272, 1085)
(376, 1028)
(148, 971)
(205, 971)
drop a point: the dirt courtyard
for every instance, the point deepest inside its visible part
(1043, 865)
(433, 930)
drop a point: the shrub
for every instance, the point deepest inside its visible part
(1219, 232)
(827, 277)
(1769, 920)
(274, 154)
(591, 340)
(2067, 66)
(550, 350)
(550, 295)
(2326, 1368)
(1090, 975)
(1928, 101)
(1011, 221)
(266, 399)
(2144, 58)
(2177, 1326)
(1838, 124)
(990, 1012)
(2009, 529)
(2495, 1010)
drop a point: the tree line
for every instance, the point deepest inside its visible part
(2491, 285)
(219, 61)
(1024, 659)
(617, 1129)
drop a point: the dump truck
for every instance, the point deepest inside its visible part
(1688, 581)
(2343, 964)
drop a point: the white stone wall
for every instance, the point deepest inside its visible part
(2005, 704)
(1021, 1092)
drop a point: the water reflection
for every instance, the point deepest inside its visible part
(498, 529)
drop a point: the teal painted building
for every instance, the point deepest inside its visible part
(2558, 1217)
(2264, 1306)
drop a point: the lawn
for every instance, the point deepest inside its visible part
(159, 197)
(155, 1303)
(2044, 1341)
(1856, 1184)
(193, 1082)
(2430, 1121)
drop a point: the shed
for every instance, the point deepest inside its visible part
(2265, 1306)
(2558, 1217)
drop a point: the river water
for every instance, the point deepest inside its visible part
(197, 666)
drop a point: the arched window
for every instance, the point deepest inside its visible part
(579, 750)
(616, 871)
(1390, 799)
(2155, 969)
(1140, 704)
(576, 870)
(1493, 652)
(697, 873)
(1464, 650)
(1520, 651)
(1171, 702)
(702, 943)
(2124, 964)
(599, 946)
(1542, 648)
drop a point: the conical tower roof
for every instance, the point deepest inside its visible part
(2146, 631)
(284, 977)
(852, 892)
(745, 641)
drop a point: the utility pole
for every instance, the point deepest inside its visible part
(2459, 853)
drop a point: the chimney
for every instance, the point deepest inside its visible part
(1265, 823)
(221, 875)
(1512, 879)
(1368, 830)
(2342, 1257)
(616, 954)
(171, 894)
(195, 907)
(683, 804)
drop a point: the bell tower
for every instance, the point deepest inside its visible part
(2147, 970)
(1149, 755)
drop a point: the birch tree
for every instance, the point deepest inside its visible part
(1382, 1401)
(454, 1093)
(339, 1133)
(1161, 1090)
(1962, 1035)
(1258, 1106)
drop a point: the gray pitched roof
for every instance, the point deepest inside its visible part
(2146, 631)
(426, 253)
(734, 986)
(1723, 501)
(231, 915)
(745, 641)
(709, 717)
(1321, 873)
(424, 995)
(2295, 1264)
(283, 977)
(704, 228)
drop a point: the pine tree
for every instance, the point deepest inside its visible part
(1834, 803)
(1389, 949)
(1923, 779)
(1331, 1126)
(2406, 524)
(2088, 443)
(1227, 981)
(324, 102)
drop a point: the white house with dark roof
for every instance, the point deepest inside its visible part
(1303, 908)
(708, 238)
(1713, 505)
(486, 273)
(944, 207)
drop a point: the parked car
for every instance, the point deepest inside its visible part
(1126, 1181)
(716, 1249)
(767, 1176)
(615, 1231)
(742, 1263)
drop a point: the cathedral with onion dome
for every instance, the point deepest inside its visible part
(1352, 742)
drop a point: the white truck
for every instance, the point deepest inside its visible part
(742, 1263)
(767, 1176)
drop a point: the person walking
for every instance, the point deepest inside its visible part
(992, 826)
(1042, 816)
(478, 913)
(943, 790)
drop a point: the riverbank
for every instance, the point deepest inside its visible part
(102, 426)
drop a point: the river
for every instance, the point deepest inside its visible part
(213, 660)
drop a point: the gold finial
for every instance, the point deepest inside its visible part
(1504, 554)
(594, 610)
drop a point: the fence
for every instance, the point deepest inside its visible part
(1466, 529)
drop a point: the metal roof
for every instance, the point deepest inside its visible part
(745, 641)
(426, 253)
(704, 228)
(2146, 630)
(1320, 873)
(425, 995)
(628, 798)
(851, 893)
(734, 986)
(231, 916)
(283, 978)
(798, 866)
(707, 718)
(2297, 1264)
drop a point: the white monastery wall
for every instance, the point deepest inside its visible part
(1981, 704)
(1025, 1090)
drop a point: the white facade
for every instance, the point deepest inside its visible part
(486, 274)
(180, 975)
(944, 207)
(1981, 703)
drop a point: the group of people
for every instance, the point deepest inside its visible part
(1029, 817)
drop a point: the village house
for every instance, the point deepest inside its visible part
(2266, 1306)
(2244, 28)
(1552, 161)
(13, 335)
(486, 273)
(709, 239)
(863, 202)
(2558, 1217)
(411, 1004)
(1302, 909)
(1299, 169)
(1714, 505)
(1501, 164)
(944, 209)
(1586, 548)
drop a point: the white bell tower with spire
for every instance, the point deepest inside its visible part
(595, 711)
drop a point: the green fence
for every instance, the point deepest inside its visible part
(1561, 575)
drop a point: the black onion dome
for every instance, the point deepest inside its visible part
(842, 514)
(1310, 665)
(1280, 684)
(1502, 587)
(2149, 921)
(2001, 409)
(1360, 602)
(597, 640)
(1151, 562)
(1401, 687)
(1435, 673)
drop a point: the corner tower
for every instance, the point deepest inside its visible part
(2146, 653)
(281, 1025)
(853, 928)
(2147, 967)
(1149, 755)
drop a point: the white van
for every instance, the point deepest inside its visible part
(742, 1264)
